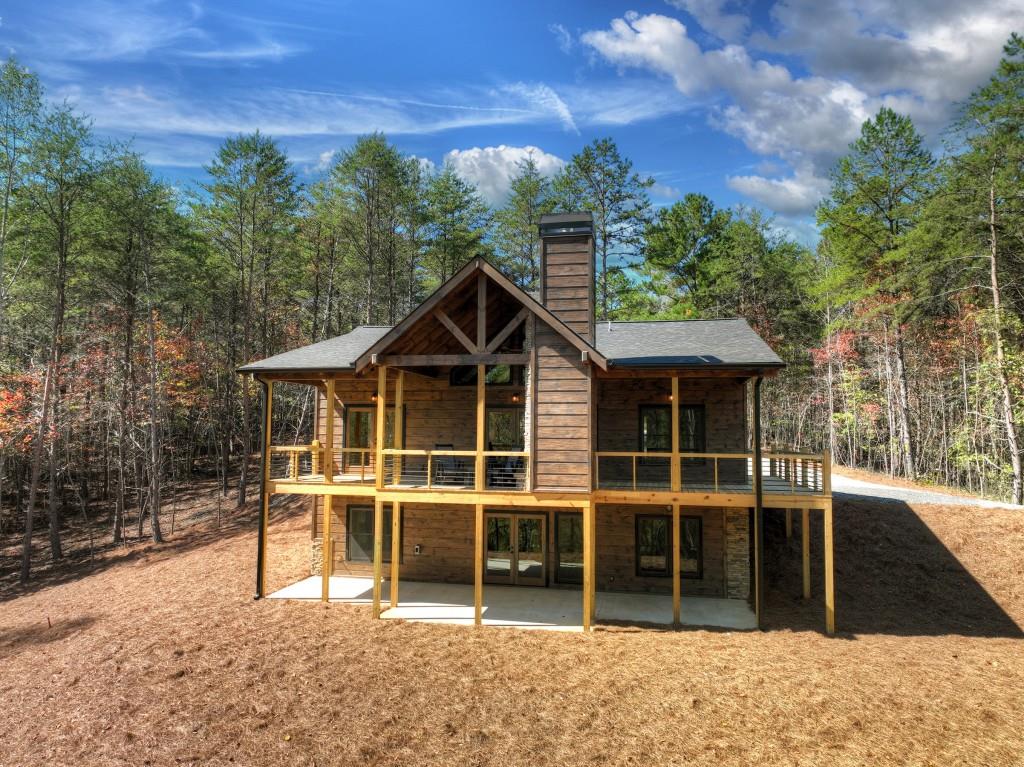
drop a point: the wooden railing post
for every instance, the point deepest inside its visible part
(382, 396)
(399, 425)
(314, 460)
(329, 435)
(826, 472)
(675, 471)
(481, 424)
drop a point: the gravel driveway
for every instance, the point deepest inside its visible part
(857, 487)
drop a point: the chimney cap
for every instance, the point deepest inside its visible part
(562, 224)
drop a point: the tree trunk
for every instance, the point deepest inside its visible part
(155, 439)
(903, 406)
(37, 462)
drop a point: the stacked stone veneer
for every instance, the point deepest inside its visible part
(316, 557)
(737, 553)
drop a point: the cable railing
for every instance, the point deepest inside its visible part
(792, 473)
(455, 469)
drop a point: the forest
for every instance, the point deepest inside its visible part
(126, 304)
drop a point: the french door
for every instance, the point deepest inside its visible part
(516, 544)
(358, 433)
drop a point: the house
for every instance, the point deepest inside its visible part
(494, 436)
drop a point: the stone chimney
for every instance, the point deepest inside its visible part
(567, 270)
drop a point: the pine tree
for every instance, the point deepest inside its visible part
(516, 237)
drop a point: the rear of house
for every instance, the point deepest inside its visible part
(499, 437)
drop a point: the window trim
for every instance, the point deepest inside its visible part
(487, 422)
(517, 376)
(640, 573)
(641, 409)
(558, 551)
(386, 553)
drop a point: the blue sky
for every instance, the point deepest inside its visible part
(748, 103)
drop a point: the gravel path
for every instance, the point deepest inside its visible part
(849, 486)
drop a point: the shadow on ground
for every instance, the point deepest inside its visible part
(893, 576)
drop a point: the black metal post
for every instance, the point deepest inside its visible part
(264, 457)
(758, 510)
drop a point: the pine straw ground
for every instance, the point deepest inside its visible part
(160, 656)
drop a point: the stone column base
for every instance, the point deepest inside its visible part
(316, 557)
(737, 553)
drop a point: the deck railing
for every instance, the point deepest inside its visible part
(306, 463)
(503, 469)
(792, 473)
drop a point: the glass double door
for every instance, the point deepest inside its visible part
(516, 544)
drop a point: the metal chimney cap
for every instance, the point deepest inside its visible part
(556, 224)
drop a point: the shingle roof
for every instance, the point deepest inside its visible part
(655, 343)
(338, 353)
(685, 343)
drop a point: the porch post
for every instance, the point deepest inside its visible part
(396, 548)
(478, 566)
(329, 434)
(789, 524)
(382, 396)
(378, 551)
(830, 596)
(326, 550)
(805, 545)
(758, 510)
(676, 473)
(677, 590)
(261, 553)
(588, 566)
(399, 425)
(481, 424)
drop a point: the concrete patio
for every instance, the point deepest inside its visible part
(524, 606)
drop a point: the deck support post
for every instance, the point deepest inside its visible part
(481, 425)
(396, 549)
(805, 546)
(676, 471)
(758, 510)
(588, 566)
(382, 397)
(789, 524)
(328, 460)
(677, 590)
(326, 550)
(378, 552)
(261, 554)
(830, 596)
(399, 424)
(478, 566)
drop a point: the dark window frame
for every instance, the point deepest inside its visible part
(516, 377)
(386, 553)
(683, 519)
(487, 421)
(558, 551)
(343, 412)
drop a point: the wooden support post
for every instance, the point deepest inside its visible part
(676, 472)
(396, 548)
(805, 545)
(315, 456)
(382, 396)
(758, 510)
(378, 552)
(677, 586)
(478, 567)
(789, 524)
(481, 424)
(588, 566)
(481, 312)
(826, 472)
(830, 594)
(399, 425)
(261, 556)
(329, 435)
(326, 549)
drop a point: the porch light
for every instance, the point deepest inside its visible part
(373, 397)
(515, 397)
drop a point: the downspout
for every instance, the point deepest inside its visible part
(264, 441)
(758, 510)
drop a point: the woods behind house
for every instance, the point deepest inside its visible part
(126, 304)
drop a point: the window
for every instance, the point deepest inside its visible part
(652, 545)
(497, 375)
(505, 428)
(569, 548)
(359, 534)
(654, 548)
(691, 548)
(656, 428)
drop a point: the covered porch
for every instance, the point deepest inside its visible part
(526, 607)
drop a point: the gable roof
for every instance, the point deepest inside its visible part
(729, 343)
(479, 264)
(338, 353)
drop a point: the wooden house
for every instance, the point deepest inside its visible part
(499, 436)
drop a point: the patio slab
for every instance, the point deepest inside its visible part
(524, 606)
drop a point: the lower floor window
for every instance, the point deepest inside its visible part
(654, 546)
(569, 544)
(359, 534)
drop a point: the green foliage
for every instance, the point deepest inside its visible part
(517, 246)
(457, 225)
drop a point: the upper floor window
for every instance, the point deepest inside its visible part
(656, 429)
(497, 375)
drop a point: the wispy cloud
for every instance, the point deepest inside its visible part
(562, 37)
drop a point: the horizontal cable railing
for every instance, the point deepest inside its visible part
(292, 462)
(306, 463)
(503, 470)
(792, 473)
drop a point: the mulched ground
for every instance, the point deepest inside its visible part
(159, 656)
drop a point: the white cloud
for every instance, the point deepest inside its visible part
(665, 191)
(492, 168)
(544, 100)
(716, 17)
(562, 36)
(323, 161)
(791, 196)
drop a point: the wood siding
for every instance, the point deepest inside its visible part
(562, 429)
(567, 282)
